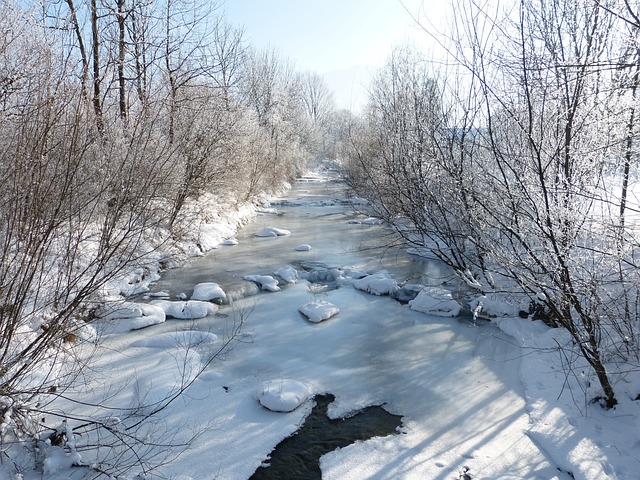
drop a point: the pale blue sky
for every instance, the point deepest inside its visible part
(345, 40)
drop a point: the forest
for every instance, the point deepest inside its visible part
(513, 161)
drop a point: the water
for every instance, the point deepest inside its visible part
(316, 213)
(298, 456)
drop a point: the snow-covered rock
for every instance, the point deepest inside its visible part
(288, 274)
(282, 395)
(272, 232)
(265, 282)
(230, 242)
(436, 301)
(208, 291)
(379, 283)
(319, 310)
(188, 310)
(305, 247)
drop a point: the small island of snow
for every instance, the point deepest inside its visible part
(282, 395)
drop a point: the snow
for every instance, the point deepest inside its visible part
(282, 395)
(231, 242)
(127, 316)
(180, 338)
(287, 273)
(436, 301)
(188, 310)
(507, 399)
(305, 247)
(379, 283)
(264, 282)
(319, 310)
(272, 232)
(57, 458)
(208, 291)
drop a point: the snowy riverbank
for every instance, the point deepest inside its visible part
(458, 386)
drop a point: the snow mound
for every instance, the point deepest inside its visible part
(272, 232)
(319, 310)
(436, 301)
(371, 221)
(188, 310)
(230, 242)
(305, 247)
(265, 282)
(379, 283)
(57, 458)
(134, 316)
(182, 338)
(282, 395)
(208, 291)
(288, 274)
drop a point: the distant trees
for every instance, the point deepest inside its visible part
(514, 168)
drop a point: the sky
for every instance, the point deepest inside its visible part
(343, 40)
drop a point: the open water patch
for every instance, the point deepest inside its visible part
(298, 456)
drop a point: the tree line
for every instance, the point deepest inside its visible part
(515, 163)
(114, 116)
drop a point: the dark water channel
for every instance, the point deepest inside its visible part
(298, 456)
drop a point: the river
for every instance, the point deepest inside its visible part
(454, 383)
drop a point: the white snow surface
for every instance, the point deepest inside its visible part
(282, 395)
(436, 301)
(177, 339)
(379, 283)
(287, 274)
(188, 310)
(318, 310)
(272, 232)
(507, 403)
(125, 316)
(265, 282)
(208, 291)
(305, 247)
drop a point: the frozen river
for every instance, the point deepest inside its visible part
(455, 384)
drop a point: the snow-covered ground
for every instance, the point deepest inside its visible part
(473, 399)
